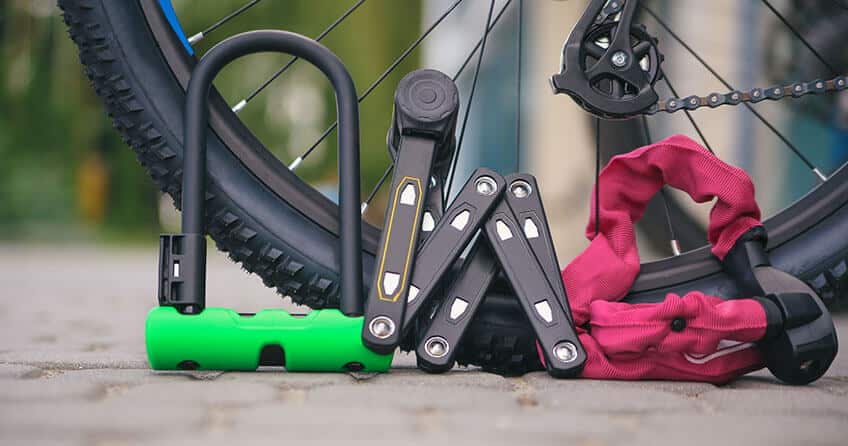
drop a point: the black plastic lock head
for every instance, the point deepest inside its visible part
(802, 354)
(800, 341)
(801, 350)
(796, 309)
(748, 253)
(426, 105)
(182, 272)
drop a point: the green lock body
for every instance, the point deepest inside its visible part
(222, 339)
(182, 333)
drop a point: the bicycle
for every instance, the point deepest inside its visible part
(277, 226)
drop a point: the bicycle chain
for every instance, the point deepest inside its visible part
(734, 97)
(753, 96)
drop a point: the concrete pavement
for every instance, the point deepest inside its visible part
(73, 371)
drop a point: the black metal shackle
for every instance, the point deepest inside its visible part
(347, 113)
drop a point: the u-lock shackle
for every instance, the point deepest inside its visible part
(194, 163)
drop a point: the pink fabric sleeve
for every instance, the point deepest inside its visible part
(696, 337)
(730, 361)
(635, 342)
(694, 324)
(609, 265)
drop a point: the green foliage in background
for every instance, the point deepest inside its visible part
(65, 173)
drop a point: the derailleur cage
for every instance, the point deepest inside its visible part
(610, 67)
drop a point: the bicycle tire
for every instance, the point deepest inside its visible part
(285, 232)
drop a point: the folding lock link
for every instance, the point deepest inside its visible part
(423, 123)
(434, 207)
(526, 202)
(182, 333)
(460, 223)
(437, 349)
(543, 304)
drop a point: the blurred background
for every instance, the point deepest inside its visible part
(80, 220)
(66, 176)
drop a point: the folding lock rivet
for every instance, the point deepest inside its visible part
(806, 365)
(520, 189)
(381, 327)
(565, 351)
(486, 185)
(437, 346)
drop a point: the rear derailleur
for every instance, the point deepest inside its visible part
(609, 64)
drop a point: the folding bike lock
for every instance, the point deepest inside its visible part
(182, 333)
(515, 239)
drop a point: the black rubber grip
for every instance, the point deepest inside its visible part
(426, 104)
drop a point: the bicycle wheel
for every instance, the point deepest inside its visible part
(283, 230)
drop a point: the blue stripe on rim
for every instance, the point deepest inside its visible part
(171, 15)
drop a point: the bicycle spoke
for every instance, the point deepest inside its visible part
(727, 85)
(518, 88)
(380, 182)
(473, 51)
(470, 101)
(377, 82)
(385, 175)
(688, 115)
(201, 35)
(675, 244)
(468, 58)
(241, 104)
(797, 34)
(597, 175)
